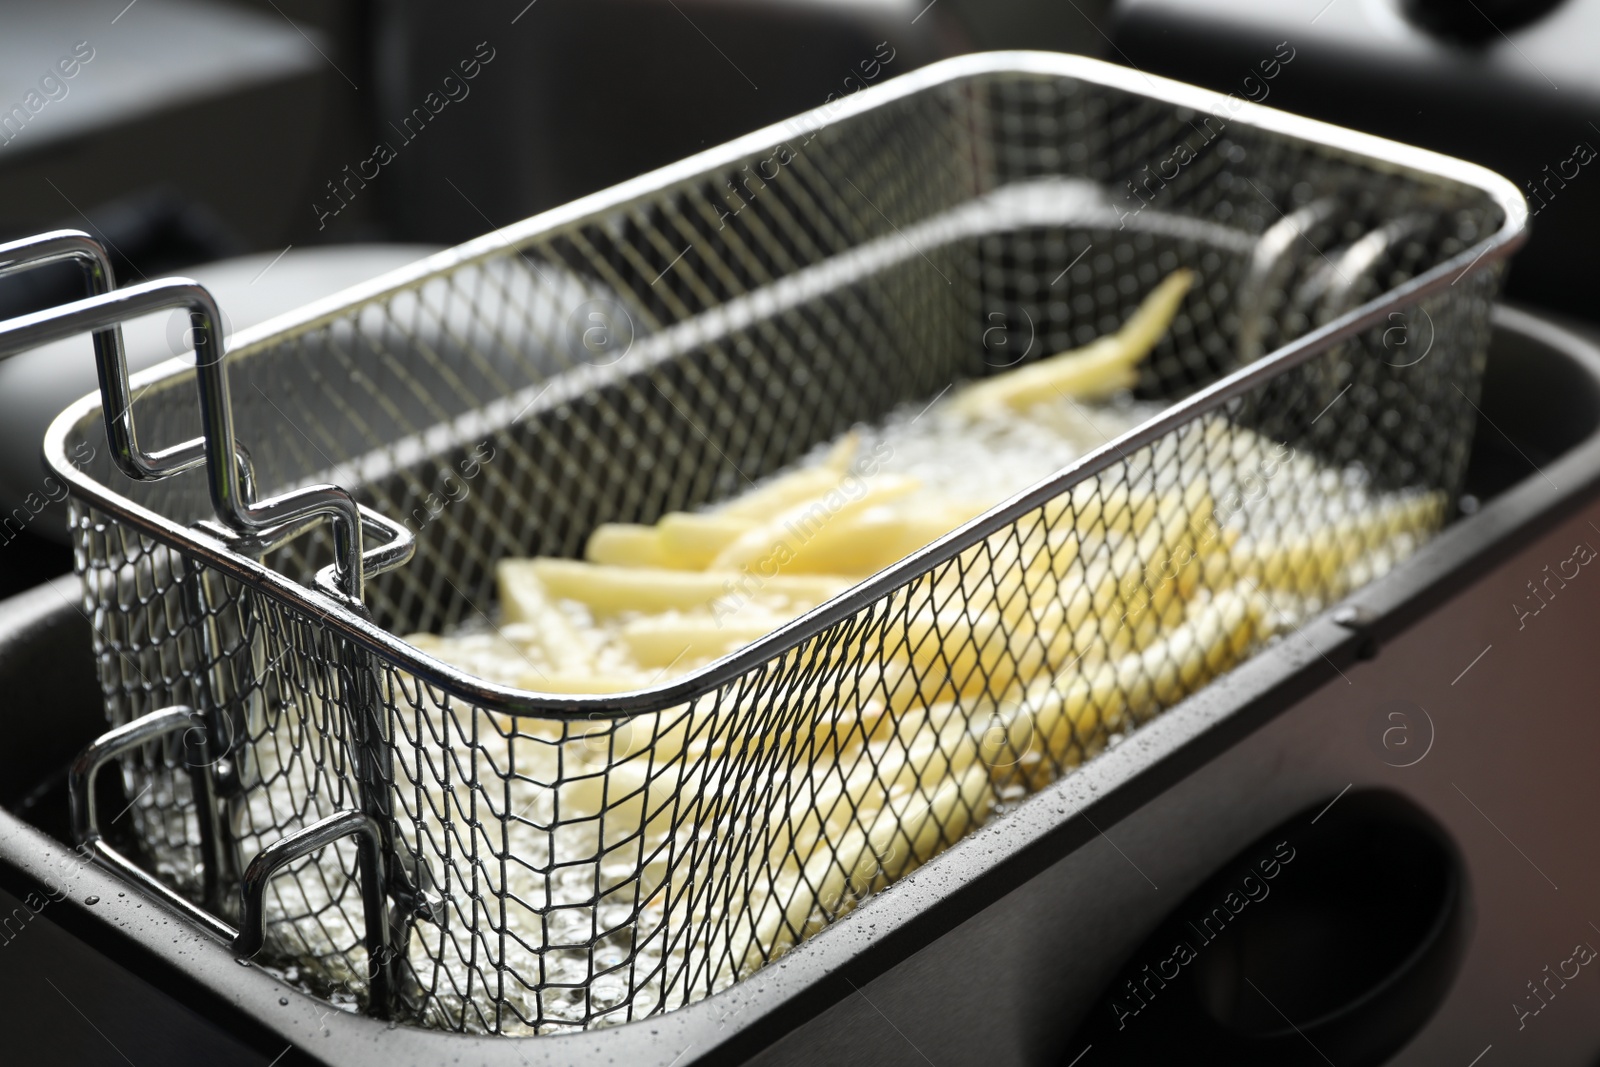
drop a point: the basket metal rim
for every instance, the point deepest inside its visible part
(1377, 152)
(1380, 152)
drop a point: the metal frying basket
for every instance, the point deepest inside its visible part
(532, 863)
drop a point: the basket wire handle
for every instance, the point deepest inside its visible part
(111, 364)
(227, 472)
(86, 831)
(302, 843)
(248, 939)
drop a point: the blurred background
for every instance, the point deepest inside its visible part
(281, 150)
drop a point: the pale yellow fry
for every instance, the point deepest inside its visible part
(1001, 632)
(922, 750)
(599, 744)
(847, 792)
(782, 492)
(955, 650)
(662, 642)
(1061, 722)
(900, 845)
(902, 836)
(1134, 578)
(816, 717)
(1007, 573)
(811, 717)
(681, 540)
(840, 795)
(635, 805)
(780, 542)
(843, 453)
(1099, 368)
(1317, 563)
(867, 541)
(525, 599)
(884, 834)
(612, 590)
(626, 544)
(693, 540)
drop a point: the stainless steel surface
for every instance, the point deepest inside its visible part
(198, 762)
(771, 330)
(228, 481)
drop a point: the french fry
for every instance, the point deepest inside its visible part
(901, 837)
(782, 800)
(959, 651)
(841, 796)
(782, 541)
(626, 544)
(655, 641)
(927, 827)
(681, 540)
(613, 590)
(1096, 370)
(781, 493)
(1118, 598)
(843, 453)
(864, 542)
(632, 805)
(1005, 573)
(817, 718)
(1061, 722)
(1316, 563)
(695, 539)
(523, 599)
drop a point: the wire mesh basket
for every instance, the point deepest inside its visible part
(462, 854)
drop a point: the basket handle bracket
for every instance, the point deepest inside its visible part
(86, 829)
(248, 939)
(228, 472)
(369, 856)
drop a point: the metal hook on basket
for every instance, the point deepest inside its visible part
(1272, 264)
(303, 842)
(111, 364)
(248, 939)
(229, 476)
(86, 831)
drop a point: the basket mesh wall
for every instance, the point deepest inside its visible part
(596, 871)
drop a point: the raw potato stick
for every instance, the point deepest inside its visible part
(627, 544)
(697, 539)
(680, 540)
(902, 836)
(865, 543)
(1096, 370)
(1059, 722)
(611, 590)
(798, 487)
(523, 599)
(784, 539)
(1316, 563)
(655, 641)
